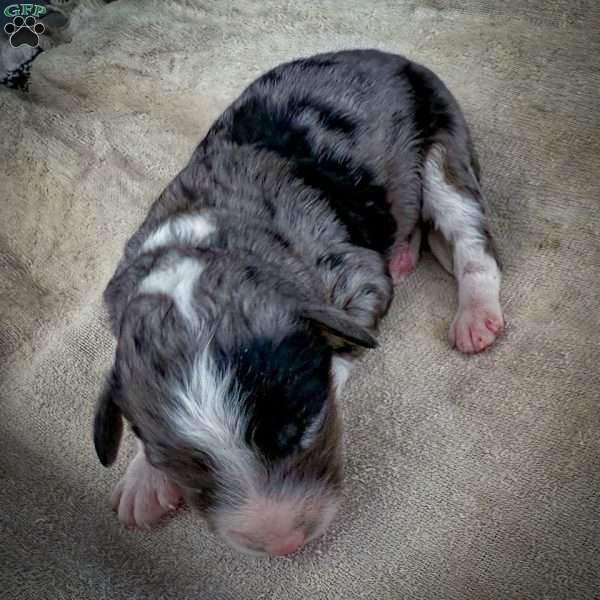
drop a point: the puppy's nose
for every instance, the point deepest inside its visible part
(286, 545)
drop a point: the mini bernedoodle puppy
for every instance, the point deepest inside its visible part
(261, 272)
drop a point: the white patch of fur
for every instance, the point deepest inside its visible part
(310, 433)
(459, 218)
(186, 229)
(210, 416)
(340, 371)
(176, 279)
(456, 216)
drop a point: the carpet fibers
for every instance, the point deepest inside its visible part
(467, 477)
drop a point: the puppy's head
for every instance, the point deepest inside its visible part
(234, 400)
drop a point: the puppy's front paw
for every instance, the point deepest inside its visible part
(475, 328)
(144, 494)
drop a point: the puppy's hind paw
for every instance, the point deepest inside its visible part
(475, 328)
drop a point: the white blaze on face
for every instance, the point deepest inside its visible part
(210, 416)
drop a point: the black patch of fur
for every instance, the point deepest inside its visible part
(432, 111)
(250, 272)
(269, 206)
(358, 202)
(332, 261)
(328, 117)
(285, 385)
(277, 237)
(259, 122)
(400, 118)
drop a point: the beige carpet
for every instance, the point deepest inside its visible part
(467, 477)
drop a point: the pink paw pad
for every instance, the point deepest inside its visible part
(494, 325)
(402, 262)
(475, 329)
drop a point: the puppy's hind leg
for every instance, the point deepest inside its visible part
(451, 200)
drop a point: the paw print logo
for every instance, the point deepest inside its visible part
(24, 31)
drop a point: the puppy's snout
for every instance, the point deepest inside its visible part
(278, 528)
(276, 545)
(287, 544)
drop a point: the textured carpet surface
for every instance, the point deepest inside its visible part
(467, 477)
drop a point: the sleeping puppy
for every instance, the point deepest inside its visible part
(262, 271)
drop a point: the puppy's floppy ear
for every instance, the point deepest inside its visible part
(338, 323)
(108, 422)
